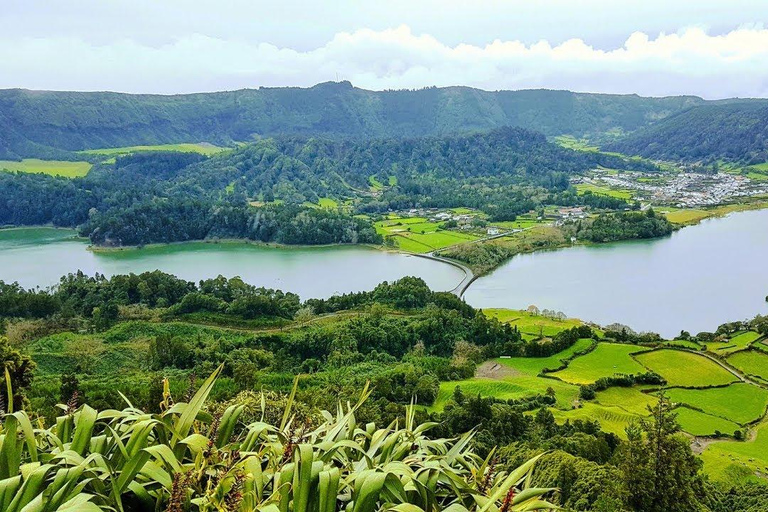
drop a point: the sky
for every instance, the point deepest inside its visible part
(713, 49)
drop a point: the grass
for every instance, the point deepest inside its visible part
(508, 388)
(571, 142)
(529, 323)
(327, 202)
(685, 217)
(419, 235)
(740, 403)
(632, 400)
(612, 419)
(604, 191)
(51, 167)
(375, 184)
(700, 424)
(202, 148)
(751, 362)
(534, 365)
(685, 369)
(606, 360)
(724, 459)
(735, 344)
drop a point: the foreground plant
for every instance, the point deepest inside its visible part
(185, 459)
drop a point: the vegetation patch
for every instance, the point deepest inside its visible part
(606, 360)
(50, 167)
(723, 459)
(686, 369)
(533, 323)
(751, 362)
(740, 403)
(698, 423)
(202, 148)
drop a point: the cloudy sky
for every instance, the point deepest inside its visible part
(713, 49)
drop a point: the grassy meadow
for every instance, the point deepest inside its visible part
(685, 369)
(606, 360)
(202, 148)
(50, 167)
(419, 235)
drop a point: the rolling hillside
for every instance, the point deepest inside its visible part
(51, 124)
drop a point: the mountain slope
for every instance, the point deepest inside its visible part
(733, 131)
(41, 123)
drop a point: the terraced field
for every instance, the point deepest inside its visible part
(685, 369)
(606, 360)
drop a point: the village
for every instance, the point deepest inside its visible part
(682, 190)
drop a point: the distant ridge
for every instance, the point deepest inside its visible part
(53, 124)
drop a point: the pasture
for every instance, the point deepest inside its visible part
(606, 360)
(700, 424)
(202, 148)
(419, 235)
(535, 365)
(751, 362)
(529, 323)
(50, 167)
(740, 403)
(738, 342)
(604, 191)
(685, 369)
(612, 419)
(733, 460)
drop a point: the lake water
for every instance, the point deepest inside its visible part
(40, 256)
(696, 279)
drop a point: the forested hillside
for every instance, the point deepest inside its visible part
(732, 131)
(48, 124)
(169, 196)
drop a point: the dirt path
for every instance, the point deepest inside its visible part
(493, 370)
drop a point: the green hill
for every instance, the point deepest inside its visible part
(50, 124)
(731, 131)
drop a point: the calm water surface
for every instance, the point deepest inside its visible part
(39, 256)
(696, 279)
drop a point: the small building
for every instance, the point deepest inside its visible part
(493, 231)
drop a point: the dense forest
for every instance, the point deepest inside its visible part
(171, 196)
(733, 131)
(53, 124)
(162, 336)
(612, 227)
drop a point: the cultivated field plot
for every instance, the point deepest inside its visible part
(417, 234)
(202, 148)
(534, 365)
(631, 400)
(505, 388)
(51, 167)
(751, 362)
(529, 323)
(738, 342)
(606, 360)
(685, 369)
(740, 403)
(604, 191)
(699, 424)
(685, 216)
(612, 419)
(734, 460)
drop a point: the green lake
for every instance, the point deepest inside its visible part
(696, 279)
(40, 256)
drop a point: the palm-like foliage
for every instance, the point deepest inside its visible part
(185, 459)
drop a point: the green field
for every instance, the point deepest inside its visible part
(51, 167)
(529, 323)
(202, 148)
(725, 459)
(751, 362)
(606, 360)
(739, 342)
(685, 369)
(699, 424)
(612, 419)
(534, 365)
(741, 403)
(518, 386)
(327, 202)
(604, 191)
(417, 234)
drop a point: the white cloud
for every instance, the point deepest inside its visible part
(690, 61)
